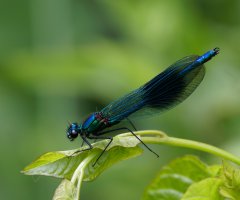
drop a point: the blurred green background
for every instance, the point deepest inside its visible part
(62, 59)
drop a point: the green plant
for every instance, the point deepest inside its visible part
(184, 178)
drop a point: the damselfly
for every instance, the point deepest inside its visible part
(163, 92)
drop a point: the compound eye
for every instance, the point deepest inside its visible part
(74, 133)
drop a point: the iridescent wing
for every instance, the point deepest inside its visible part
(163, 92)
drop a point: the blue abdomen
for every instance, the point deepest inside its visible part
(207, 56)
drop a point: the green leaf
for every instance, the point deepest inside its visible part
(231, 179)
(65, 191)
(175, 178)
(207, 189)
(171, 183)
(62, 164)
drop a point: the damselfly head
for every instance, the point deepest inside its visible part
(72, 131)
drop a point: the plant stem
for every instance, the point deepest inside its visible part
(79, 172)
(164, 139)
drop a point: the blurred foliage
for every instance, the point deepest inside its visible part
(182, 179)
(61, 60)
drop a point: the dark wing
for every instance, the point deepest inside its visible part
(164, 91)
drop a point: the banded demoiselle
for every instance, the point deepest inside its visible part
(163, 92)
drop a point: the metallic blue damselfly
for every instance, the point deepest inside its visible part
(163, 92)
